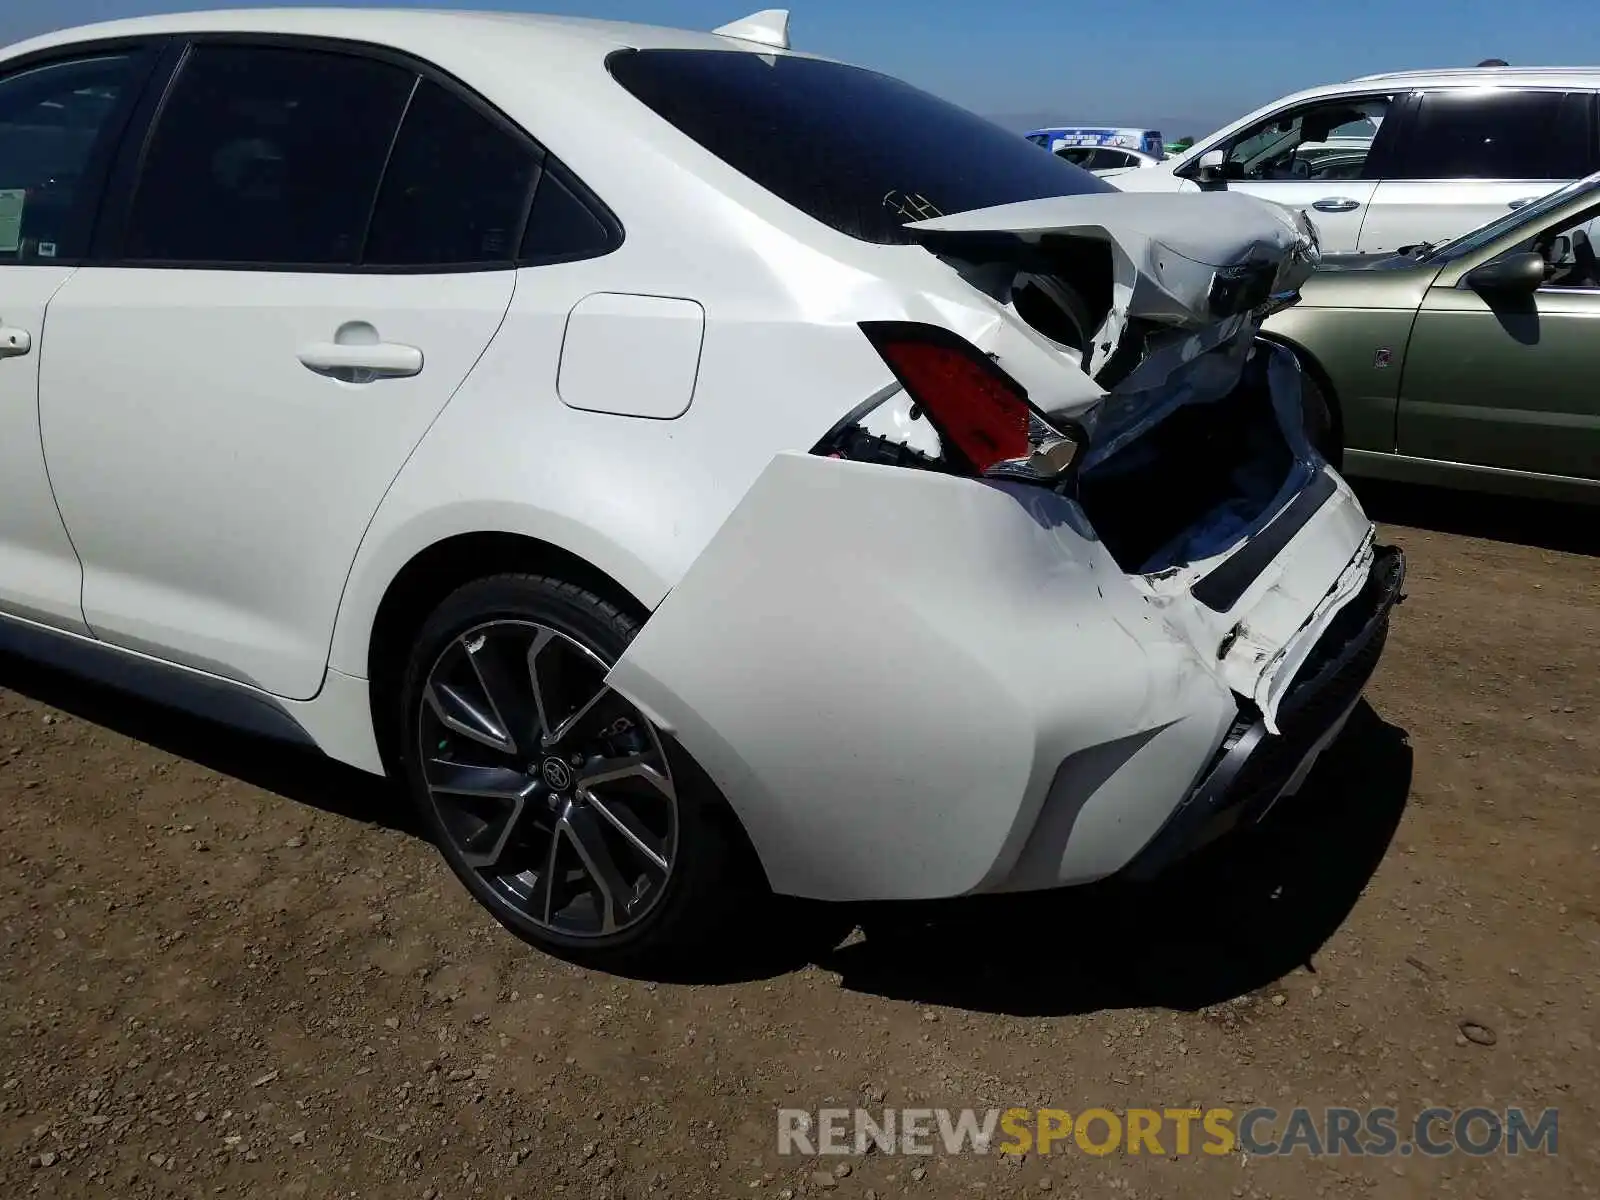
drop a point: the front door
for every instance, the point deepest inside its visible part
(1316, 157)
(1511, 382)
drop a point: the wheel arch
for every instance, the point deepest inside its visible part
(388, 604)
(435, 571)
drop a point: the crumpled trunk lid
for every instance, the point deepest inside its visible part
(1184, 261)
(1175, 288)
(1164, 280)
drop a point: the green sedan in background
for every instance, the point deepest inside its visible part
(1473, 363)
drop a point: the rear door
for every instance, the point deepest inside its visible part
(317, 248)
(1469, 155)
(59, 122)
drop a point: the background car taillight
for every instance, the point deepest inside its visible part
(984, 421)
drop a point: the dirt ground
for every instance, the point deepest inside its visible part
(231, 970)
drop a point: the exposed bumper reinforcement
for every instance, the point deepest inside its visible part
(1254, 767)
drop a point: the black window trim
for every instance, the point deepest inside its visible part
(101, 166)
(388, 159)
(128, 168)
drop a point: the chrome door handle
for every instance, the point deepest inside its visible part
(1520, 203)
(14, 342)
(378, 360)
(1337, 204)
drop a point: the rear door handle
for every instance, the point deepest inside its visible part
(378, 360)
(14, 342)
(1337, 204)
(1520, 203)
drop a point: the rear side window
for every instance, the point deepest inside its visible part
(562, 227)
(266, 155)
(456, 189)
(53, 119)
(1499, 134)
(858, 151)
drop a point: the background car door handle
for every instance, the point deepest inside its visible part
(14, 342)
(1337, 204)
(1520, 203)
(378, 360)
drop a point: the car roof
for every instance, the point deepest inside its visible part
(1488, 76)
(1134, 129)
(1462, 77)
(413, 29)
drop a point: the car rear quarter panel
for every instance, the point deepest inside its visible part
(635, 497)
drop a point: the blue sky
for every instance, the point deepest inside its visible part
(1187, 65)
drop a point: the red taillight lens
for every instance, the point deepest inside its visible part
(979, 411)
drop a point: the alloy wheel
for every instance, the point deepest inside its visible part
(551, 787)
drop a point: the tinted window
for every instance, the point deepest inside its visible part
(266, 155)
(1499, 135)
(51, 120)
(561, 226)
(858, 151)
(456, 189)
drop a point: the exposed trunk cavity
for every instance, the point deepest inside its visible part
(1197, 482)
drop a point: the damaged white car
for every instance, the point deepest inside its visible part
(696, 469)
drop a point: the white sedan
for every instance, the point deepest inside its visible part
(694, 470)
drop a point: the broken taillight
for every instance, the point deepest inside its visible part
(984, 420)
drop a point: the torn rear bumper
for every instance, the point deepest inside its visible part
(909, 685)
(1253, 768)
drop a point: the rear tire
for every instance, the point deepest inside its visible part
(565, 812)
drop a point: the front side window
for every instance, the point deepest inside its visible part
(52, 120)
(266, 156)
(860, 152)
(1291, 145)
(1568, 249)
(1499, 134)
(456, 189)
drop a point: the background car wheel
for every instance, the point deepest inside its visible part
(565, 812)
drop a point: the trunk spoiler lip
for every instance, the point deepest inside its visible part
(1216, 229)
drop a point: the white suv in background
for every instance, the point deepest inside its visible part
(1387, 161)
